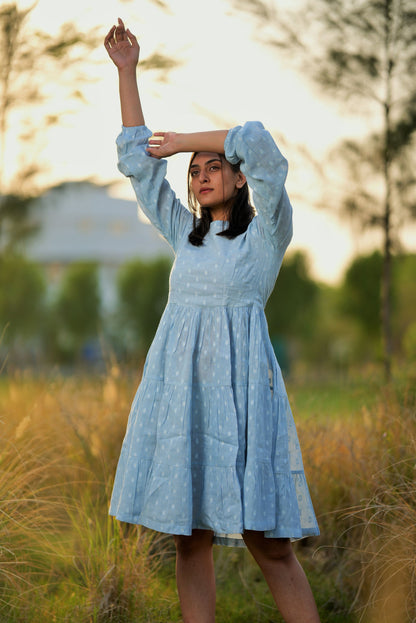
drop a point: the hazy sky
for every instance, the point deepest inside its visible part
(225, 78)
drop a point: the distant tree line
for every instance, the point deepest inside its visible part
(311, 324)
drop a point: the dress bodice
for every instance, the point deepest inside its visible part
(230, 272)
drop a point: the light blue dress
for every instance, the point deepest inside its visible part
(210, 441)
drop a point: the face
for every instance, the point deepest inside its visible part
(214, 182)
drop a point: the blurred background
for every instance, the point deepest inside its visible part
(84, 280)
(81, 273)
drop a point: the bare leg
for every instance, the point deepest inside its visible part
(285, 577)
(195, 576)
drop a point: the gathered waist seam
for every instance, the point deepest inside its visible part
(223, 305)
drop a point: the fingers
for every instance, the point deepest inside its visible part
(109, 37)
(153, 153)
(156, 142)
(156, 145)
(131, 38)
(119, 33)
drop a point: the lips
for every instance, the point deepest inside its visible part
(204, 191)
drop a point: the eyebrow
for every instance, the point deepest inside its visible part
(207, 162)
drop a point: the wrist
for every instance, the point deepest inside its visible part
(181, 143)
(129, 71)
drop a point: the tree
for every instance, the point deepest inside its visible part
(32, 60)
(362, 51)
(77, 314)
(360, 301)
(404, 274)
(291, 308)
(35, 66)
(143, 291)
(291, 305)
(22, 290)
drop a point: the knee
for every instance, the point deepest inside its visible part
(277, 550)
(269, 550)
(198, 541)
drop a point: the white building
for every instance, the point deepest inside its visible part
(82, 221)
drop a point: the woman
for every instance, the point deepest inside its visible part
(211, 452)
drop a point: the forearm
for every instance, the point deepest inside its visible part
(202, 141)
(164, 144)
(131, 108)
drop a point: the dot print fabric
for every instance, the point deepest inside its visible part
(211, 441)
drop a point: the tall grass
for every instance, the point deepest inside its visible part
(362, 470)
(63, 559)
(387, 519)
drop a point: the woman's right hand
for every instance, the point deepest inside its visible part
(122, 46)
(163, 144)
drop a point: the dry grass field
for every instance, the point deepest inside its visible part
(63, 559)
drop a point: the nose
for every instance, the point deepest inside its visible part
(203, 176)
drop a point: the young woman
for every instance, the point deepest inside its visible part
(211, 453)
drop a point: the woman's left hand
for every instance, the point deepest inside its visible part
(122, 46)
(163, 144)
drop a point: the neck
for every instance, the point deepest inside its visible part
(219, 214)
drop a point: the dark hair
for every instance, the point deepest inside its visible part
(240, 211)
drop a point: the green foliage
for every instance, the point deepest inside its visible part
(143, 290)
(361, 53)
(22, 290)
(32, 60)
(291, 307)
(41, 73)
(77, 312)
(404, 275)
(15, 225)
(312, 325)
(361, 298)
(409, 342)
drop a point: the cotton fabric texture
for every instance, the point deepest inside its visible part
(210, 441)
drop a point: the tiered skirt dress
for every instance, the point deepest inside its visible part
(211, 441)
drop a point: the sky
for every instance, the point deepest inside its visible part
(226, 76)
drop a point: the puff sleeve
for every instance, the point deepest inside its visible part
(265, 169)
(148, 177)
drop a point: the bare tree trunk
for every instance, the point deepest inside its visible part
(386, 284)
(10, 24)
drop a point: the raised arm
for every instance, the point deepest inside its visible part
(147, 175)
(124, 50)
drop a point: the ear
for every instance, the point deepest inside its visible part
(241, 180)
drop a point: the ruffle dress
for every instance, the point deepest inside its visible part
(211, 441)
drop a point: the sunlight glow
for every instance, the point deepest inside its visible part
(224, 79)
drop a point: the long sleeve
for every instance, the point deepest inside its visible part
(266, 171)
(153, 192)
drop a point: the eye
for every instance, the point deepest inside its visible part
(194, 172)
(214, 167)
